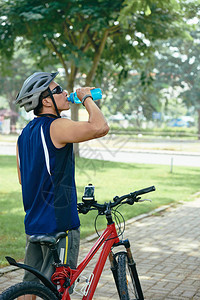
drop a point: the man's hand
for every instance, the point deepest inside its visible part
(81, 92)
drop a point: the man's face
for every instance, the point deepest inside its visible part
(60, 98)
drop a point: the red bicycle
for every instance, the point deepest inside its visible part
(123, 266)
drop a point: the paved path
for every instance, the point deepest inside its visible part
(171, 158)
(120, 154)
(166, 248)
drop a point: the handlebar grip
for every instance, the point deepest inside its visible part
(146, 190)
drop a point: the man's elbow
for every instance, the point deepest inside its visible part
(106, 129)
(102, 131)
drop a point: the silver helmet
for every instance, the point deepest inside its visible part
(32, 88)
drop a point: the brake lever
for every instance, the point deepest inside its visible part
(82, 208)
(132, 200)
(142, 200)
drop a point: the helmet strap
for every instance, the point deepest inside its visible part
(54, 103)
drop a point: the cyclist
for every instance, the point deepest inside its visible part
(45, 166)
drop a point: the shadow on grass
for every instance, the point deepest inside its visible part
(180, 181)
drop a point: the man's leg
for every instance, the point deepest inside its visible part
(33, 258)
(73, 248)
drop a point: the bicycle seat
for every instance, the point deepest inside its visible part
(48, 239)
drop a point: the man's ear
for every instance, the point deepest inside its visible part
(46, 102)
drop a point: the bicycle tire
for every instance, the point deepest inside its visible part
(28, 288)
(129, 285)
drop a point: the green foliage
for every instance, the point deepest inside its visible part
(153, 16)
(59, 27)
(191, 72)
(133, 97)
(177, 65)
(13, 73)
(75, 32)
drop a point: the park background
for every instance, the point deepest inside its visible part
(144, 55)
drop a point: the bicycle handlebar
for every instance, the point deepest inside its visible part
(146, 190)
(131, 198)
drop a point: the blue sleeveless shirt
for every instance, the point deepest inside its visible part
(47, 177)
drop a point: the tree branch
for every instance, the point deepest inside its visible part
(92, 41)
(82, 35)
(50, 44)
(73, 73)
(114, 28)
(68, 32)
(97, 58)
(86, 47)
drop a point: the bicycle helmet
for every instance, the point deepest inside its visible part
(33, 86)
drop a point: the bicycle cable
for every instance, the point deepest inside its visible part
(117, 220)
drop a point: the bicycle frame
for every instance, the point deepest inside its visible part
(65, 277)
(109, 237)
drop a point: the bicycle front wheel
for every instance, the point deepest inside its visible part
(129, 285)
(28, 288)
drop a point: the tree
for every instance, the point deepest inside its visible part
(12, 74)
(137, 95)
(191, 75)
(82, 35)
(177, 65)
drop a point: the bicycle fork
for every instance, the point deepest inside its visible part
(113, 267)
(131, 263)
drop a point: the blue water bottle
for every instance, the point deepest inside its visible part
(96, 95)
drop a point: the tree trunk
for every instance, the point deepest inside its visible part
(74, 117)
(74, 113)
(89, 78)
(13, 119)
(198, 110)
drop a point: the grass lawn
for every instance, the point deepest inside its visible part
(110, 179)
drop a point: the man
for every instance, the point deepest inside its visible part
(46, 166)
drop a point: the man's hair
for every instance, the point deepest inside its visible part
(37, 111)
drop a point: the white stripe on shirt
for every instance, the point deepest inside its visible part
(46, 153)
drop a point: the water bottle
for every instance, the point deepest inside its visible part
(96, 95)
